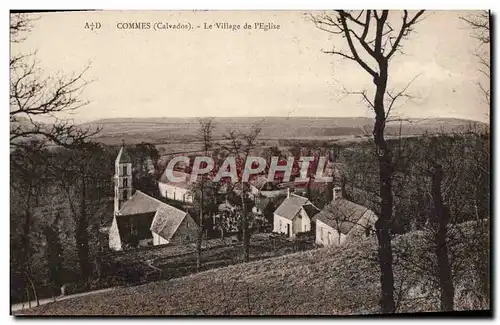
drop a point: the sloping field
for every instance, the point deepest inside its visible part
(323, 281)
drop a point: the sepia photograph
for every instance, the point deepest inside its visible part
(250, 163)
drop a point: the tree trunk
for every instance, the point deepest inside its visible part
(28, 298)
(441, 219)
(245, 232)
(82, 236)
(35, 295)
(200, 231)
(26, 241)
(383, 224)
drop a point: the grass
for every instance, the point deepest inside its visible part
(325, 281)
(131, 267)
(290, 284)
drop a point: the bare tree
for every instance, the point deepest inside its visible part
(445, 196)
(480, 24)
(205, 131)
(34, 94)
(29, 174)
(84, 179)
(372, 41)
(241, 144)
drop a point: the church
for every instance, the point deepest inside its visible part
(140, 220)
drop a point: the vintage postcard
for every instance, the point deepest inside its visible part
(231, 163)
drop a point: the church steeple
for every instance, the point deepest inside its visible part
(123, 178)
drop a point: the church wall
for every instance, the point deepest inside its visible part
(114, 236)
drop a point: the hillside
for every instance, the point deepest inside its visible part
(134, 130)
(323, 281)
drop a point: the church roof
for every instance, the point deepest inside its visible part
(123, 156)
(166, 221)
(139, 203)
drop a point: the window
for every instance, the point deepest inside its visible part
(125, 182)
(125, 170)
(125, 194)
(322, 234)
(329, 238)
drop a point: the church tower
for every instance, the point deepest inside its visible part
(123, 178)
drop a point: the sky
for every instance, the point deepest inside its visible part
(280, 72)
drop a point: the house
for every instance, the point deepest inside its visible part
(177, 191)
(294, 215)
(141, 220)
(341, 221)
(262, 187)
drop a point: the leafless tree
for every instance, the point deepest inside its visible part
(33, 94)
(373, 39)
(29, 174)
(205, 131)
(480, 24)
(84, 179)
(241, 144)
(445, 196)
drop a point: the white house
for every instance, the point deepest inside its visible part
(178, 191)
(342, 220)
(294, 215)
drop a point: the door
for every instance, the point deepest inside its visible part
(288, 230)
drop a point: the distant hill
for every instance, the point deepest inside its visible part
(165, 129)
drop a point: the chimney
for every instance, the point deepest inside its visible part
(288, 192)
(337, 193)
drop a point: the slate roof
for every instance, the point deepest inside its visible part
(139, 203)
(166, 220)
(291, 206)
(341, 214)
(311, 210)
(123, 156)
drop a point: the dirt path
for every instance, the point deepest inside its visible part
(24, 305)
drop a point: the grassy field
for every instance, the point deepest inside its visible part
(166, 262)
(325, 281)
(184, 130)
(291, 284)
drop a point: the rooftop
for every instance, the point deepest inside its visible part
(291, 206)
(123, 156)
(342, 214)
(139, 203)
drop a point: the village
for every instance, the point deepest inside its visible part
(290, 168)
(279, 209)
